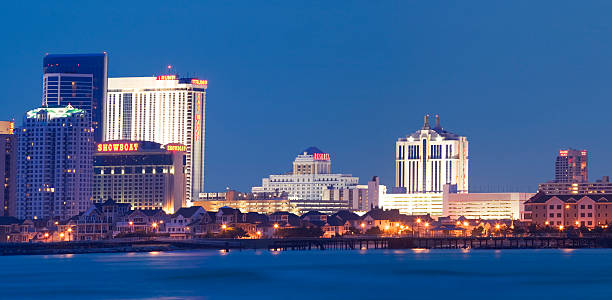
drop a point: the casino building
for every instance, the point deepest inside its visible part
(164, 109)
(311, 175)
(146, 175)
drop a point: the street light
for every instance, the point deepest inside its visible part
(275, 226)
(225, 226)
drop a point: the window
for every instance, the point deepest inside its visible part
(590, 206)
(552, 207)
(552, 215)
(581, 206)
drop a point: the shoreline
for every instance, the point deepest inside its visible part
(304, 244)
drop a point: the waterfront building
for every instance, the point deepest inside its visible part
(165, 109)
(578, 210)
(413, 203)
(79, 80)
(262, 202)
(8, 165)
(310, 176)
(601, 186)
(488, 206)
(146, 175)
(359, 197)
(429, 158)
(54, 163)
(571, 166)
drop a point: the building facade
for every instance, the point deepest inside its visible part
(430, 158)
(601, 186)
(264, 203)
(165, 109)
(572, 166)
(580, 210)
(358, 198)
(486, 206)
(413, 203)
(54, 163)
(311, 175)
(79, 80)
(143, 174)
(8, 163)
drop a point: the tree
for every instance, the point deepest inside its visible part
(232, 233)
(374, 231)
(477, 231)
(300, 232)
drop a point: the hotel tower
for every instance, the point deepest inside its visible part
(164, 109)
(429, 158)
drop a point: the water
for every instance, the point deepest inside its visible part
(370, 274)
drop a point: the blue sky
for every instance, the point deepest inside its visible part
(520, 79)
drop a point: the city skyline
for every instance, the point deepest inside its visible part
(359, 126)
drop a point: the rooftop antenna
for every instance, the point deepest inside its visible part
(426, 123)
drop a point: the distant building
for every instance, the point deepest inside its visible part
(143, 174)
(54, 163)
(358, 198)
(571, 166)
(589, 210)
(413, 203)
(79, 80)
(165, 109)
(311, 175)
(487, 206)
(8, 165)
(430, 158)
(601, 186)
(265, 203)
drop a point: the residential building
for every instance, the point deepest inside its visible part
(494, 206)
(311, 175)
(54, 163)
(79, 80)
(8, 165)
(142, 221)
(601, 186)
(578, 210)
(429, 158)
(572, 166)
(178, 225)
(13, 230)
(165, 109)
(146, 175)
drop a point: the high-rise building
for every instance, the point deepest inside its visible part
(572, 166)
(143, 174)
(54, 163)
(430, 158)
(79, 80)
(165, 109)
(600, 186)
(311, 175)
(8, 164)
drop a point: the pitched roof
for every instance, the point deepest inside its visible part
(9, 221)
(346, 215)
(335, 221)
(188, 212)
(311, 150)
(312, 213)
(541, 197)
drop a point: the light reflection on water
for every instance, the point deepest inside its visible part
(361, 274)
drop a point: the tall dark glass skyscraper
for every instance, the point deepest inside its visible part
(79, 80)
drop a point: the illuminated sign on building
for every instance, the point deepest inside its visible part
(199, 81)
(583, 153)
(166, 77)
(321, 156)
(176, 147)
(118, 147)
(563, 152)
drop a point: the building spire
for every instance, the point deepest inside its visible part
(438, 122)
(426, 123)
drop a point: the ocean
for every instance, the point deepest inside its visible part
(316, 274)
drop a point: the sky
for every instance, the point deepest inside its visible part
(520, 79)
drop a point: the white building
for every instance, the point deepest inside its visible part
(359, 197)
(163, 109)
(310, 177)
(413, 203)
(54, 163)
(430, 158)
(491, 206)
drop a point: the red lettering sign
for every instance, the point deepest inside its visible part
(166, 77)
(118, 147)
(321, 156)
(176, 147)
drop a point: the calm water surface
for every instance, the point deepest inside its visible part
(371, 274)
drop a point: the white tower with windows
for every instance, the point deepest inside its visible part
(430, 158)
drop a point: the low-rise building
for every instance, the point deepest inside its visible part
(484, 205)
(259, 202)
(601, 186)
(413, 203)
(581, 210)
